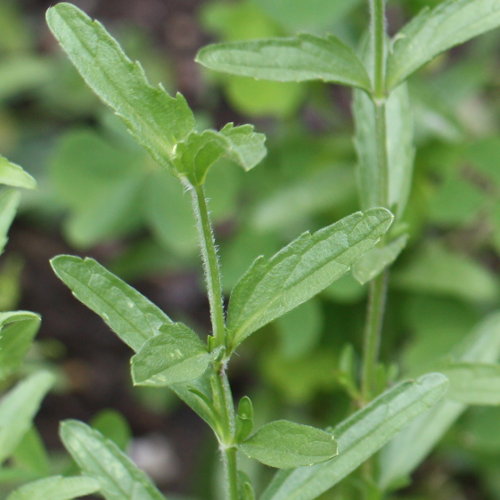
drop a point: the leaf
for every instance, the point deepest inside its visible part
(174, 356)
(435, 30)
(127, 312)
(195, 155)
(359, 437)
(101, 459)
(272, 287)
(56, 488)
(372, 263)
(13, 175)
(17, 409)
(285, 444)
(297, 59)
(113, 425)
(244, 418)
(474, 383)
(400, 149)
(31, 454)
(155, 119)
(481, 346)
(9, 201)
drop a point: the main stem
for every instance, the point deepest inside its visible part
(378, 287)
(226, 433)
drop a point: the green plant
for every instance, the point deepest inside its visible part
(170, 354)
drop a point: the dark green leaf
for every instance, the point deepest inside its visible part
(56, 488)
(127, 312)
(285, 444)
(101, 459)
(302, 58)
(31, 454)
(113, 425)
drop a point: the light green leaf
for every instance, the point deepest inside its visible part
(372, 263)
(435, 30)
(17, 409)
(127, 312)
(244, 418)
(481, 346)
(101, 459)
(31, 455)
(195, 155)
(155, 119)
(359, 437)
(9, 200)
(285, 444)
(400, 150)
(13, 175)
(56, 488)
(297, 59)
(272, 287)
(173, 356)
(17, 330)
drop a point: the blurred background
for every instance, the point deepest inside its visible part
(100, 195)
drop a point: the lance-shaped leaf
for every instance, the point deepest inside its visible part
(433, 31)
(174, 356)
(127, 312)
(359, 437)
(400, 150)
(195, 155)
(272, 287)
(297, 59)
(474, 383)
(101, 459)
(157, 120)
(13, 175)
(372, 263)
(17, 330)
(482, 346)
(285, 444)
(17, 409)
(56, 488)
(9, 200)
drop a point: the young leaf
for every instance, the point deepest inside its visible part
(101, 459)
(155, 119)
(482, 346)
(400, 150)
(474, 383)
(359, 437)
(272, 287)
(127, 312)
(297, 59)
(195, 155)
(17, 330)
(56, 488)
(285, 444)
(17, 409)
(372, 263)
(173, 356)
(244, 418)
(433, 31)
(9, 200)
(13, 175)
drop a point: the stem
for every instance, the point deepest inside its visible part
(231, 468)
(210, 264)
(377, 31)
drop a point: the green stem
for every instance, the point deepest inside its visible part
(377, 32)
(210, 264)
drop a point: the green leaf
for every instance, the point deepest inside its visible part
(101, 459)
(400, 149)
(17, 409)
(56, 488)
(297, 59)
(13, 175)
(9, 200)
(244, 418)
(481, 346)
(285, 444)
(31, 454)
(17, 330)
(359, 437)
(127, 312)
(113, 425)
(433, 31)
(272, 287)
(173, 356)
(155, 119)
(195, 155)
(372, 263)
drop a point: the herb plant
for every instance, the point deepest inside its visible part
(170, 354)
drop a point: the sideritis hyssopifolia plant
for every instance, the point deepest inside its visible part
(170, 354)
